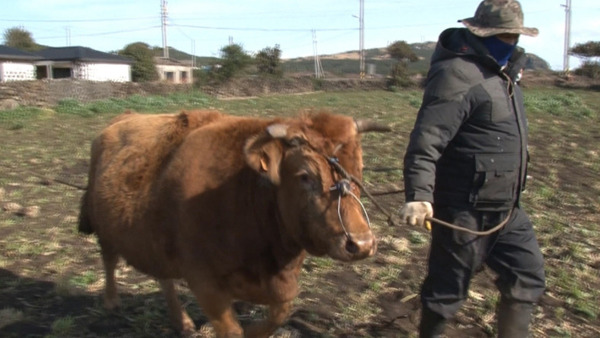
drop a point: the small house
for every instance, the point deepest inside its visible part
(173, 71)
(16, 65)
(82, 63)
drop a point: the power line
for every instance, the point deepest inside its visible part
(263, 15)
(234, 29)
(103, 33)
(78, 20)
(211, 27)
(268, 29)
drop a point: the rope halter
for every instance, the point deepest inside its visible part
(344, 188)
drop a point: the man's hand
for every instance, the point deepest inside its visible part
(414, 213)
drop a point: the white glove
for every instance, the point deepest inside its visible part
(414, 213)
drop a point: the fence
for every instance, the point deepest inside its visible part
(47, 93)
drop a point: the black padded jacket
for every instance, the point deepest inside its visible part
(468, 147)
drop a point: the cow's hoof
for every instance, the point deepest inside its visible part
(112, 303)
(188, 329)
(259, 330)
(189, 333)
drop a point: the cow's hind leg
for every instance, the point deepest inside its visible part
(278, 313)
(179, 317)
(110, 259)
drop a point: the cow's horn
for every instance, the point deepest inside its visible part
(364, 126)
(277, 130)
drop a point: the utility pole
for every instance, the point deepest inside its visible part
(193, 53)
(318, 67)
(163, 12)
(68, 35)
(361, 42)
(567, 36)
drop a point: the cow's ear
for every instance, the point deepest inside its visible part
(263, 154)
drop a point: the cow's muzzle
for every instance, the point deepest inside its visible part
(361, 246)
(357, 246)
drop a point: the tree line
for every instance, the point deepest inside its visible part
(590, 52)
(235, 61)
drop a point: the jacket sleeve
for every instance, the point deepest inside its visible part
(444, 109)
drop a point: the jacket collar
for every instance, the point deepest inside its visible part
(459, 42)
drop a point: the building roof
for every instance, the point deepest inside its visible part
(78, 53)
(159, 60)
(9, 53)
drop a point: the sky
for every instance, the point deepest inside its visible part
(301, 28)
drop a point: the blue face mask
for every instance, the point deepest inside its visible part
(500, 50)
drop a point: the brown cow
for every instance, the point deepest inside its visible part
(229, 204)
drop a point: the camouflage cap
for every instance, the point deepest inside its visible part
(494, 17)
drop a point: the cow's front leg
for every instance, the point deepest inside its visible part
(278, 314)
(179, 317)
(218, 308)
(223, 319)
(110, 259)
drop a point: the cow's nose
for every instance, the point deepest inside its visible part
(351, 246)
(362, 245)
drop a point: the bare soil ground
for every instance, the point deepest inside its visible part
(51, 277)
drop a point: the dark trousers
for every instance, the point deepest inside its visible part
(512, 252)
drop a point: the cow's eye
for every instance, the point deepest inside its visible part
(306, 179)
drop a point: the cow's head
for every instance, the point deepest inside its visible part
(318, 203)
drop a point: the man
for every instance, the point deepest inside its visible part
(466, 164)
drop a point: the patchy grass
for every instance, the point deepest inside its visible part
(51, 277)
(10, 316)
(63, 327)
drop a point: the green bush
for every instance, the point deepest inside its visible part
(317, 84)
(268, 61)
(106, 106)
(399, 77)
(16, 119)
(234, 61)
(144, 67)
(590, 69)
(72, 107)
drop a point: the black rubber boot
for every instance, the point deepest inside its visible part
(432, 324)
(513, 319)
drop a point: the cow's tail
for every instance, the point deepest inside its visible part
(85, 224)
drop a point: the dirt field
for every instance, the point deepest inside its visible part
(51, 277)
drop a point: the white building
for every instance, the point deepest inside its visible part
(173, 71)
(82, 63)
(16, 65)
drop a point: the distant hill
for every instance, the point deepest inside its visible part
(535, 62)
(185, 57)
(348, 62)
(345, 63)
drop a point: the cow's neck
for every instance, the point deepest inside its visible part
(290, 248)
(281, 257)
(263, 201)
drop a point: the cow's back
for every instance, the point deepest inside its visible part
(126, 161)
(224, 224)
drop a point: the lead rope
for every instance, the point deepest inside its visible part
(473, 232)
(333, 162)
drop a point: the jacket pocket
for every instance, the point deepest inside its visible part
(495, 180)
